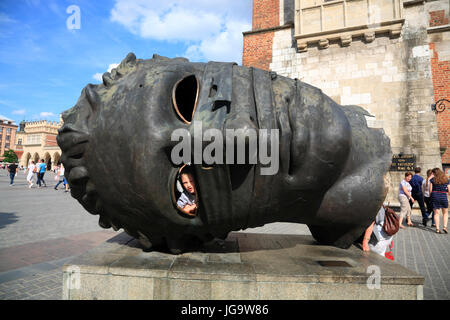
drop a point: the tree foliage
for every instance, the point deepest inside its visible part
(9, 156)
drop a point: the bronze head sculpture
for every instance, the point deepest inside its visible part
(117, 147)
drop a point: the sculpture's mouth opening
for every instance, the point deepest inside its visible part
(184, 192)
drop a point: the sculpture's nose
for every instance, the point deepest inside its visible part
(240, 134)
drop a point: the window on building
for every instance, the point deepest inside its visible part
(6, 145)
(19, 141)
(8, 130)
(7, 138)
(322, 21)
(34, 139)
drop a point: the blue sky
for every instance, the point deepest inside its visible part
(46, 60)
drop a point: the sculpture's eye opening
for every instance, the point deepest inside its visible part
(184, 97)
(185, 192)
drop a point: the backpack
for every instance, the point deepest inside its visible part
(391, 221)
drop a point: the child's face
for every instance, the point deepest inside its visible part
(188, 182)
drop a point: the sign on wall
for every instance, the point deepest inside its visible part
(403, 162)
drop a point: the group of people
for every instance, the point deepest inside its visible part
(38, 170)
(431, 195)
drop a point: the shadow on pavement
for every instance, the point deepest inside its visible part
(7, 218)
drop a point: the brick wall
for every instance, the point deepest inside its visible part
(265, 14)
(438, 18)
(50, 141)
(441, 83)
(257, 50)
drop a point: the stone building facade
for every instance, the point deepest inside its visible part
(7, 135)
(36, 140)
(390, 57)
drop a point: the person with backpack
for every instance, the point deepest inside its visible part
(378, 236)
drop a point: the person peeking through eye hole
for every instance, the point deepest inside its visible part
(187, 200)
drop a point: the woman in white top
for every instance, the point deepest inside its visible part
(375, 239)
(30, 173)
(403, 197)
(426, 195)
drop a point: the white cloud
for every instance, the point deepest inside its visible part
(21, 111)
(98, 76)
(226, 46)
(112, 66)
(47, 114)
(212, 30)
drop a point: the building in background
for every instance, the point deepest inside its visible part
(36, 140)
(7, 135)
(390, 57)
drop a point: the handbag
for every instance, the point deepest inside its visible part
(391, 222)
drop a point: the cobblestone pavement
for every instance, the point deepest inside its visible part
(42, 229)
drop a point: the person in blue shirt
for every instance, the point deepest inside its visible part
(41, 172)
(416, 184)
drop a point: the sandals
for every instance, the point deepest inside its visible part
(445, 229)
(438, 231)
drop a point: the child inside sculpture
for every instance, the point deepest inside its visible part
(187, 200)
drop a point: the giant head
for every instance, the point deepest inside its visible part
(261, 148)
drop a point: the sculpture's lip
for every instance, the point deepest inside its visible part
(215, 195)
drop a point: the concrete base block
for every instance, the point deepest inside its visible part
(244, 266)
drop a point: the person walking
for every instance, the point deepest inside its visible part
(427, 196)
(439, 188)
(41, 172)
(403, 197)
(416, 184)
(13, 170)
(61, 177)
(31, 169)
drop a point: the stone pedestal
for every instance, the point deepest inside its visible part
(244, 266)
